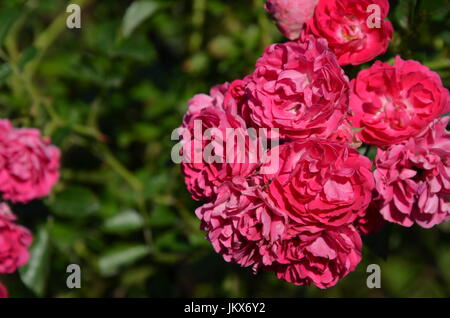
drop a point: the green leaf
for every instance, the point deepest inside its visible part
(402, 13)
(127, 221)
(136, 276)
(75, 202)
(137, 48)
(34, 275)
(63, 236)
(399, 274)
(436, 9)
(444, 263)
(26, 56)
(7, 18)
(162, 216)
(197, 63)
(170, 241)
(5, 71)
(156, 185)
(137, 13)
(115, 258)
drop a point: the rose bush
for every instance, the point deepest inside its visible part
(301, 213)
(110, 96)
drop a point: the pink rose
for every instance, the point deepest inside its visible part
(351, 32)
(320, 183)
(240, 226)
(291, 15)
(210, 157)
(413, 178)
(394, 103)
(29, 165)
(346, 134)
(14, 242)
(3, 291)
(245, 230)
(319, 257)
(200, 101)
(298, 88)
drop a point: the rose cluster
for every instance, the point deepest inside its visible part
(356, 30)
(29, 168)
(274, 154)
(398, 108)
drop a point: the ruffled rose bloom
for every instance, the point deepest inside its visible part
(3, 291)
(320, 182)
(291, 15)
(200, 101)
(14, 242)
(240, 226)
(218, 146)
(350, 29)
(413, 178)
(245, 230)
(346, 134)
(319, 257)
(29, 165)
(394, 103)
(299, 88)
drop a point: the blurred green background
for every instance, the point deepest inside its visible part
(110, 94)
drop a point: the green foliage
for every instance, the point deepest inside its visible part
(137, 13)
(36, 273)
(110, 94)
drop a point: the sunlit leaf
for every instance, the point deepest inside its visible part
(137, 13)
(7, 18)
(35, 274)
(113, 259)
(127, 221)
(75, 202)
